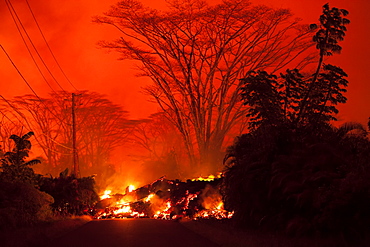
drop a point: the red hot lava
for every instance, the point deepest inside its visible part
(166, 199)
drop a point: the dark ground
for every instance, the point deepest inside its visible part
(132, 233)
(147, 232)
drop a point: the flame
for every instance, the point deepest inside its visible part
(166, 199)
(106, 194)
(209, 178)
(149, 197)
(165, 212)
(131, 188)
(124, 209)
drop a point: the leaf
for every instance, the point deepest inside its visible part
(28, 135)
(313, 26)
(64, 173)
(32, 162)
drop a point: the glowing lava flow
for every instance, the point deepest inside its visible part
(106, 195)
(166, 199)
(209, 178)
(131, 188)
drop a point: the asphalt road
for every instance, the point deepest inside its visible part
(132, 233)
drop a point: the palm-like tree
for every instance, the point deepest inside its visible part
(332, 30)
(14, 165)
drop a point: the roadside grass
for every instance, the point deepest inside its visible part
(226, 235)
(41, 234)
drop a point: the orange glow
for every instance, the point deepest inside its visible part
(161, 203)
(114, 78)
(147, 199)
(131, 188)
(106, 195)
(209, 178)
(73, 38)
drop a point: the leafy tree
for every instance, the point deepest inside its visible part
(14, 165)
(7, 128)
(293, 99)
(21, 203)
(332, 30)
(195, 55)
(294, 172)
(276, 100)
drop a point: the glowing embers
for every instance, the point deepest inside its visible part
(217, 212)
(166, 199)
(165, 212)
(209, 178)
(130, 188)
(106, 195)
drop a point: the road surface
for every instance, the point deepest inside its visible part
(132, 233)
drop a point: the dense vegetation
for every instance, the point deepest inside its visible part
(294, 172)
(27, 198)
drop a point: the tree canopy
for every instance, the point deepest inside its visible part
(195, 55)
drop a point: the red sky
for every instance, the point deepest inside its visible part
(72, 36)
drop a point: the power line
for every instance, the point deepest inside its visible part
(34, 47)
(47, 44)
(28, 49)
(9, 5)
(24, 79)
(14, 17)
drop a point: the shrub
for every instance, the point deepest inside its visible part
(21, 204)
(71, 195)
(300, 184)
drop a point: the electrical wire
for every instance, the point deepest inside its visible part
(34, 47)
(28, 49)
(47, 44)
(14, 17)
(24, 79)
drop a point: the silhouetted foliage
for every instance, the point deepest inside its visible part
(294, 172)
(72, 196)
(14, 165)
(301, 182)
(21, 204)
(331, 30)
(195, 53)
(276, 100)
(27, 198)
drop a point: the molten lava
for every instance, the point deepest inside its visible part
(166, 199)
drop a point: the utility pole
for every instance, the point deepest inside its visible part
(76, 169)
